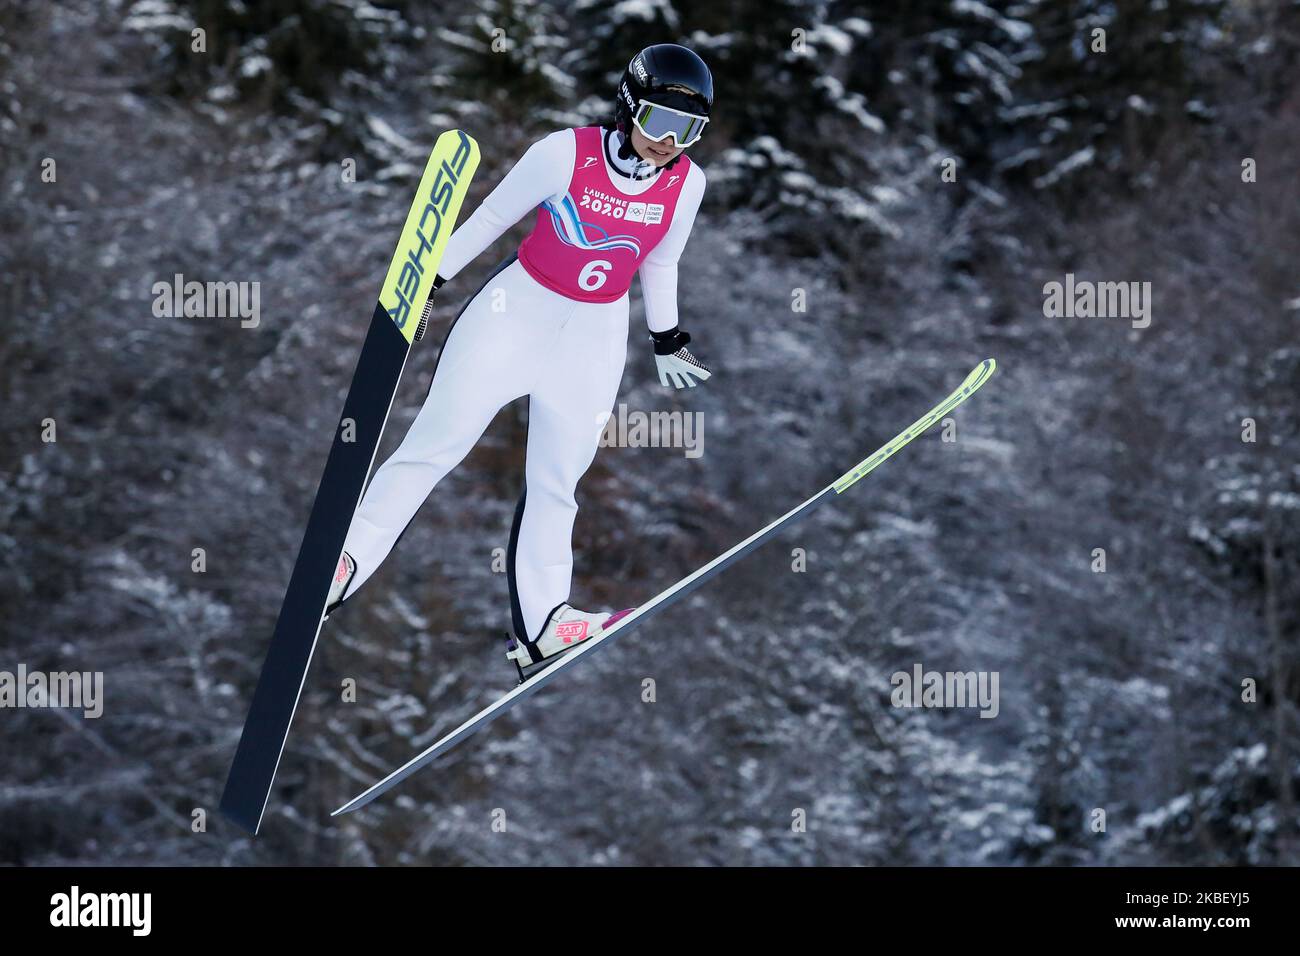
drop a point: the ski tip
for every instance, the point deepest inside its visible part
(454, 135)
(978, 376)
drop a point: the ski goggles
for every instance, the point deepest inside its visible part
(658, 122)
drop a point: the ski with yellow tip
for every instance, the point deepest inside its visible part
(398, 320)
(685, 586)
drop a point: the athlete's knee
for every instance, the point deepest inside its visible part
(557, 479)
(554, 493)
(439, 450)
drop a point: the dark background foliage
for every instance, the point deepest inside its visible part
(1120, 690)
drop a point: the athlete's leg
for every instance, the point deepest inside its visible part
(566, 414)
(488, 359)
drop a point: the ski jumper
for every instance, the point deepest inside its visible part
(550, 323)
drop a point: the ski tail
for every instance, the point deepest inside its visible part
(626, 620)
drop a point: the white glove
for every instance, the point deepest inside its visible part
(678, 368)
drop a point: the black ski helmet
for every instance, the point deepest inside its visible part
(666, 74)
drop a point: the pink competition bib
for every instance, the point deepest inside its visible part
(588, 245)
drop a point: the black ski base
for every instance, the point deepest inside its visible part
(275, 700)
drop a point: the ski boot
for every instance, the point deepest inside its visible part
(347, 570)
(565, 629)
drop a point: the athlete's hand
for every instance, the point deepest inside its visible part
(427, 314)
(678, 368)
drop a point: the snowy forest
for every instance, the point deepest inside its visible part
(1111, 525)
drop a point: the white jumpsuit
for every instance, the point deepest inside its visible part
(516, 337)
